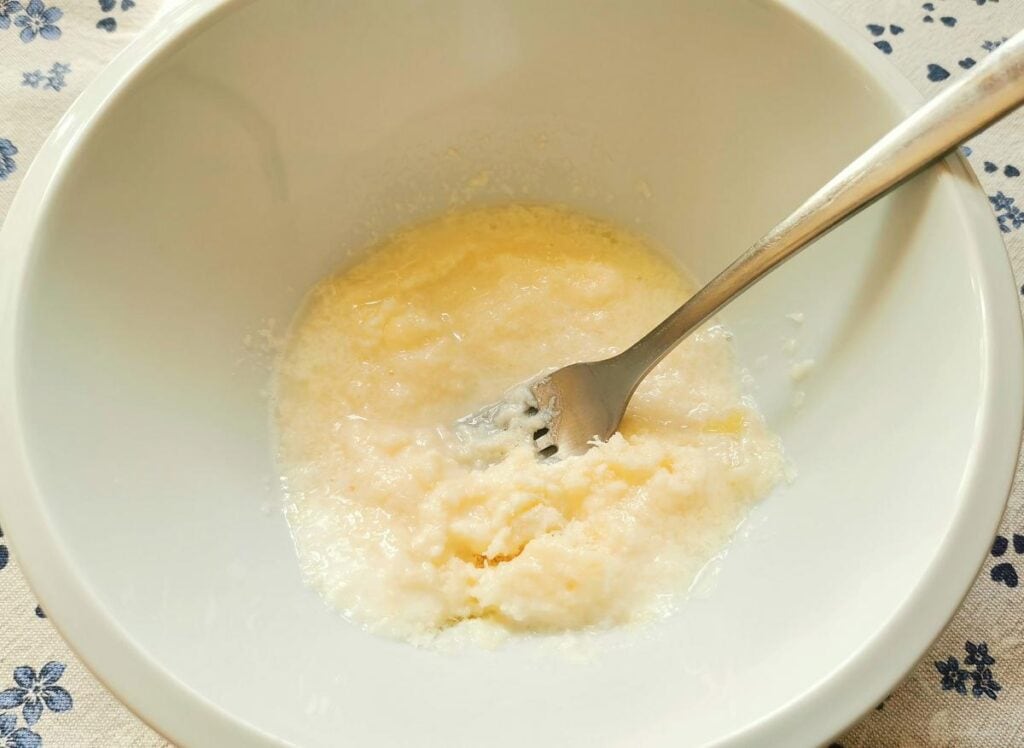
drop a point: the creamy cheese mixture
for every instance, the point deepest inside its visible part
(397, 528)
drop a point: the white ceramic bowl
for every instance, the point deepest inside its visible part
(236, 153)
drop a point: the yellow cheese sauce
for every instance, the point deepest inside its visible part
(392, 523)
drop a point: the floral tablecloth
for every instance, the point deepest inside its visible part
(968, 690)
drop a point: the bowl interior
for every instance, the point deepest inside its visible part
(265, 150)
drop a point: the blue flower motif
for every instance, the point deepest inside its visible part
(38, 19)
(5, 555)
(33, 79)
(1010, 216)
(1001, 202)
(109, 24)
(7, 9)
(984, 684)
(877, 29)
(36, 691)
(53, 80)
(946, 20)
(1005, 572)
(13, 736)
(953, 678)
(977, 655)
(7, 167)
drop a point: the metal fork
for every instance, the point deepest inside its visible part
(568, 410)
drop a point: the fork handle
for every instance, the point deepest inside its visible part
(993, 89)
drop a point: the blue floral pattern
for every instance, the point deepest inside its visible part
(953, 677)
(109, 23)
(929, 8)
(13, 736)
(1009, 215)
(35, 692)
(7, 167)
(1005, 572)
(7, 9)
(877, 29)
(1009, 170)
(936, 73)
(53, 79)
(38, 20)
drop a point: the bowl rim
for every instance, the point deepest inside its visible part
(821, 711)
